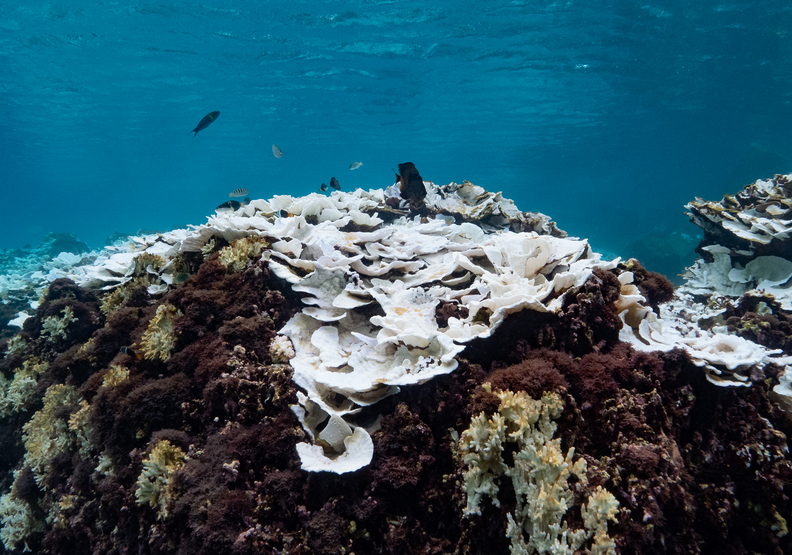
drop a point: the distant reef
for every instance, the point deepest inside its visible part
(368, 373)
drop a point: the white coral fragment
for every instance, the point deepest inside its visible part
(281, 349)
(358, 451)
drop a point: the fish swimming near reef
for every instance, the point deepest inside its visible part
(129, 352)
(355, 165)
(412, 188)
(205, 122)
(241, 192)
(285, 214)
(278, 153)
(232, 206)
(334, 184)
(323, 187)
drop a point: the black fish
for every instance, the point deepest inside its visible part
(323, 187)
(285, 214)
(412, 188)
(334, 184)
(205, 122)
(232, 205)
(229, 206)
(130, 352)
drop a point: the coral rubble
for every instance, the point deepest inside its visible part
(372, 373)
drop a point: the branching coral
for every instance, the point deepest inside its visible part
(148, 263)
(281, 349)
(115, 375)
(16, 345)
(18, 519)
(160, 336)
(80, 426)
(155, 483)
(47, 434)
(539, 475)
(55, 326)
(241, 252)
(18, 394)
(117, 297)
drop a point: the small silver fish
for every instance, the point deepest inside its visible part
(241, 192)
(277, 152)
(355, 165)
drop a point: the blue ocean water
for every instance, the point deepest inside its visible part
(607, 116)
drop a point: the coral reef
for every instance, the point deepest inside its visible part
(466, 379)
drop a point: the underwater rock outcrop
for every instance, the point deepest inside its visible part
(337, 374)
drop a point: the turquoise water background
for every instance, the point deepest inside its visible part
(608, 116)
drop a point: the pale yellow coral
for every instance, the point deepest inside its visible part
(19, 393)
(112, 301)
(80, 426)
(160, 337)
(105, 465)
(240, 252)
(539, 476)
(601, 508)
(15, 345)
(18, 522)
(46, 435)
(145, 260)
(116, 375)
(155, 483)
(55, 326)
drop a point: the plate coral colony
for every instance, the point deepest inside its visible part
(416, 369)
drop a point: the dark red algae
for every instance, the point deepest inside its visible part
(695, 468)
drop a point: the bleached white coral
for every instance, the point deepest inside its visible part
(373, 289)
(281, 349)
